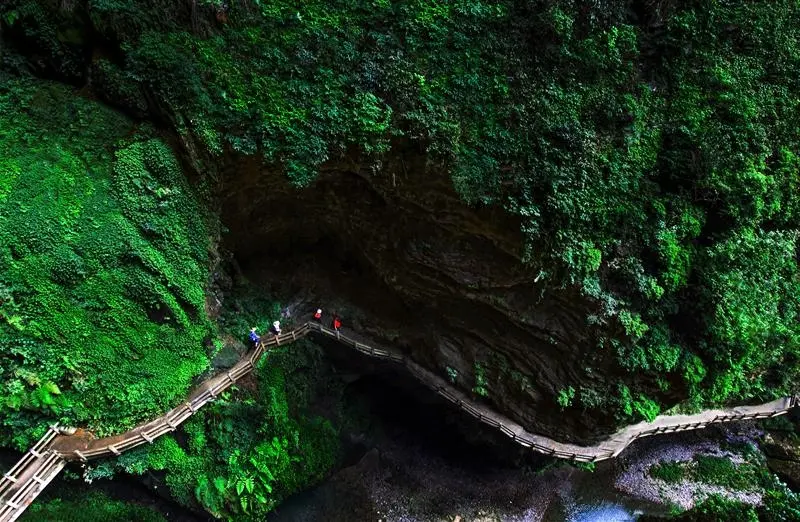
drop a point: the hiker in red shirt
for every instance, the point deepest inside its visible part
(318, 315)
(337, 323)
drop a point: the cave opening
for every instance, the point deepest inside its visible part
(401, 414)
(320, 268)
(409, 414)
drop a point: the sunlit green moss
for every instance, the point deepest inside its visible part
(103, 256)
(97, 507)
(631, 143)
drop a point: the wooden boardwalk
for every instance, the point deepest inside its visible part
(20, 485)
(607, 449)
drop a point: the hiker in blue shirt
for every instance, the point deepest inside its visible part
(254, 336)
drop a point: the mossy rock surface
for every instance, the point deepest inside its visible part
(103, 265)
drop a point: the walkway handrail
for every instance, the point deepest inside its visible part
(10, 477)
(607, 449)
(22, 483)
(76, 448)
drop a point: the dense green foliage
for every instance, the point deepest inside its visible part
(649, 149)
(719, 471)
(255, 445)
(779, 503)
(97, 507)
(669, 472)
(103, 263)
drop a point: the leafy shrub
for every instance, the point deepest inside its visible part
(722, 472)
(96, 507)
(670, 472)
(104, 266)
(480, 388)
(565, 397)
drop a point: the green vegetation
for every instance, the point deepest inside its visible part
(722, 472)
(97, 507)
(669, 472)
(246, 452)
(565, 397)
(719, 471)
(779, 503)
(103, 264)
(717, 507)
(649, 150)
(255, 445)
(480, 388)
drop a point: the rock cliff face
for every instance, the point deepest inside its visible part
(439, 278)
(782, 448)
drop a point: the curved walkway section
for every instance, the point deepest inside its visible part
(607, 449)
(20, 486)
(82, 447)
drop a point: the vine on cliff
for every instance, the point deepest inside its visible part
(641, 147)
(103, 264)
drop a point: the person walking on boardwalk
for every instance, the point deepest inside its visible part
(337, 322)
(275, 329)
(254, 337)
(318, 315)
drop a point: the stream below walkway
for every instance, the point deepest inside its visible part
(412, 457)
(419, 461)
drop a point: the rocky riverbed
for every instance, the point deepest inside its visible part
(415, 472)
(415, 466)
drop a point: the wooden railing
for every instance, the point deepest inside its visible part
(23, 483)
(609, 448)
(75, 448)
(20, 486)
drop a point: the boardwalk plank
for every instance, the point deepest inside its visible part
(20, 485)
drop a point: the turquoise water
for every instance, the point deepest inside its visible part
(591, 497)
(603, 513)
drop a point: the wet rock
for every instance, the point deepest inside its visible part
(399, 250)
(783, 456)
(787, 471)
(344, 497)
(229, 354)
